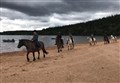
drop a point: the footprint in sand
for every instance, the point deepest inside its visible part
(102, 67)
(6, 69)
(54, 62)
(23, 65)
(13, 66)
(14, 74)
(24, 70)
(41, 67)
(62, 57)
(49, 72)
(45, 63)
(56, 59)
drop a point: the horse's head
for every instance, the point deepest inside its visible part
(20, 44)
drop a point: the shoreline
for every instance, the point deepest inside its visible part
(47, 48)
(55, 47)
(13, 48)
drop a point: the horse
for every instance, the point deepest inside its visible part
(70, 43)
(31, 47)
(92, 41)
(113, 38)
(106, 40)
(59, 43)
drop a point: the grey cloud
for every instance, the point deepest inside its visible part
(61, 6)
(93, 5)
(39, 14)
(33, 11)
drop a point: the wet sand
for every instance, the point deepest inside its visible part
(83, 64)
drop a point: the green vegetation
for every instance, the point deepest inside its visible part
(107, 25)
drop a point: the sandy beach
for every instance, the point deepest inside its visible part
(83, 64)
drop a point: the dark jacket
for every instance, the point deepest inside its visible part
(59, 36)
(35, 37)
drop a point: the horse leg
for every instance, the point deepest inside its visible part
(58, 49)
(68, 47)
(115, 39)
(33, 56)
(38, 55)
(105, 42)
(73, 46)
(43, 54)
(90, 43)
(28, 57)
(94, 42)
(61, 48)
(108, 41)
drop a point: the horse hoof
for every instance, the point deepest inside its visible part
(28, 60)
(33, 59)
(44, 56)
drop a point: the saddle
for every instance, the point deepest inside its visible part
(59, 40)
(37, 44)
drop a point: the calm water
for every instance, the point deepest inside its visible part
(48, 41)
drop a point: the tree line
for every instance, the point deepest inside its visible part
(107, 25)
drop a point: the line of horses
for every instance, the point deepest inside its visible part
(31, 48)
(70, 44)
(106, 39)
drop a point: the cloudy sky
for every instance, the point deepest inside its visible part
(39, 14)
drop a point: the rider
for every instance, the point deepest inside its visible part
(71, 37)
(35, 39)
(114, 35)
(106, 37)
(92, 37)
(59, 36)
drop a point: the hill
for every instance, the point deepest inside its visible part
(108, 25)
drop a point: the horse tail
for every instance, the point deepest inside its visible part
(43, 48)
(45, 51)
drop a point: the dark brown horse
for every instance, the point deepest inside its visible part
(59, 43)
(106, 40)
(30, 46)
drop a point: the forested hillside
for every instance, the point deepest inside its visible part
(108, 25)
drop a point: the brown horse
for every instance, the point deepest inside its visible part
(59, 43)
(106, 40)
(30, 46)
